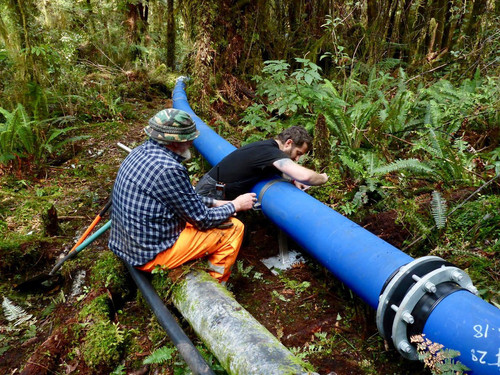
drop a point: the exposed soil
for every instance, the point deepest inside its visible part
(384, 226)
(297, 314)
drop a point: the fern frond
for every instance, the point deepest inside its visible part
(370, 161)
(160, 355)
(414, 165)
(352, 164)
(339, 125)
(14, 313)
(436, 144)
(438, 209)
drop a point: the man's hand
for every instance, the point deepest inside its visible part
(301, 186)
(244, 202)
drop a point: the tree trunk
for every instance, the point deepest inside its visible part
(137, 17)
(132, 18)
(170, 35)
(478, 9)
(392, 29)
(404, 37)
(440, 17)
(25, 42)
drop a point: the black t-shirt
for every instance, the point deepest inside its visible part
(244, 167)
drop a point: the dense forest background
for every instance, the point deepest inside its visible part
(401, 95)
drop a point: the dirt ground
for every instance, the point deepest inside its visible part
(305, 307)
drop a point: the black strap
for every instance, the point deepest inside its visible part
(268, 185)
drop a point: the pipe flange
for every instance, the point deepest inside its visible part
(423, 286)
(395, 290)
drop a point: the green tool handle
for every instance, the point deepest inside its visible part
(82, 246)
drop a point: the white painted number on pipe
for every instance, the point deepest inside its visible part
(481, 356)
(479, 331)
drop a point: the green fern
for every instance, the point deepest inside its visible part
(352, 164)
(452, 162)
(16, 135)
(14, 313)
(408, 164)
(438, 209)
(160, 355)
(21, 137)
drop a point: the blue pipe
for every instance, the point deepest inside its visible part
(361, 260)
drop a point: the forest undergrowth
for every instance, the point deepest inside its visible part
(102, 326)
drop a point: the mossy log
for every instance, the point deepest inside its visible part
(236, 338)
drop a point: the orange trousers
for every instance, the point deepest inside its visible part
(220, 245)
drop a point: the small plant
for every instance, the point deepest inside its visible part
(119, 370)
(295, 285)
(169, 356)
(438, 209)
(275, 295)
(244, 272)
(321, 343)
(437, 360)
(15, 314)
(160, 355)
(98, 309)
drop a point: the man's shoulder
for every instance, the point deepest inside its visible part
(266, 142)
(271, 143)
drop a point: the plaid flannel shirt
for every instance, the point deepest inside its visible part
(152, 201)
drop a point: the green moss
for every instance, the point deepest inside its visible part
(10, 251)
(103, 344)
(155, 331)
(161, 282)
(98, 309)
(110, 272)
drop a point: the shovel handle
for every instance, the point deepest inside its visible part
(82, 246)
(92, 226)
(61, 262)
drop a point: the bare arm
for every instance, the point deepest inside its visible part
(300, 173)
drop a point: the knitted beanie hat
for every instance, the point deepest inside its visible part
(171, 125)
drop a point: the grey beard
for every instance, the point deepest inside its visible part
(186, 155)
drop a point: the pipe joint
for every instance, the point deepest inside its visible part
(411, 294)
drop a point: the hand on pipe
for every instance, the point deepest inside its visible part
(244, 202)
(301, 186)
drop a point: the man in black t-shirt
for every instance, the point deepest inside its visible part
(239, 171)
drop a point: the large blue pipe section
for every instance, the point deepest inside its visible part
(457, 318)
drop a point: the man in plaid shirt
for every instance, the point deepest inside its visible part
(158, 219)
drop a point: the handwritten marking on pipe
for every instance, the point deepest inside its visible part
(478, 328)
(481, 356)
